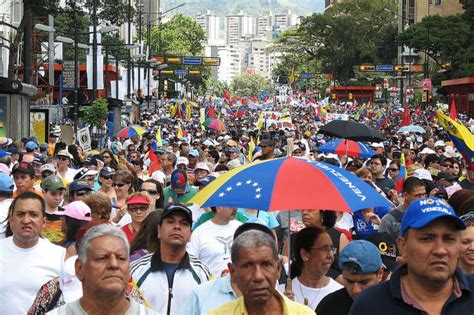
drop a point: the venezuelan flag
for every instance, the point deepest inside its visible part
(382, 120)
(461, 137)
(402, 175)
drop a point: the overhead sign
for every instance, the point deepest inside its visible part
(307, 75)
(211, 61)
(196, 61)
(181, 72)
(384, 68)
(194, 72)
(426, 85)
(174, 60)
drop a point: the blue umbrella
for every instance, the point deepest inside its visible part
(411, 128)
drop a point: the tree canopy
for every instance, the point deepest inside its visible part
(249, 85)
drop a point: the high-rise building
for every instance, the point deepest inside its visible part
(238, 25)
(11, 13)
(211, 24)
(264, 24)
(417, 10)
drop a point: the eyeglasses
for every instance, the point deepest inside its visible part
(326, 249)
(151, 192)
(119, 185)
(137, 208)
(81, 193)
(393, 169)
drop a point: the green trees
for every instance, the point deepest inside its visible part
(249, 85)
(181, 36)
(95, 114)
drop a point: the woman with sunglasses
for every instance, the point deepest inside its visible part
(155, 192)
(313, 255)
(109, 159)
(138, 206)
(394, 170)
(122, 184)
(106, 180)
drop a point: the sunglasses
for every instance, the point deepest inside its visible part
(151, 192)
(393, 169)
(63, 158)
(107, 177)
(119, 185)
(44, 175)
(81, 193)
(135, 209)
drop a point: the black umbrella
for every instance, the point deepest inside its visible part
(349, 129)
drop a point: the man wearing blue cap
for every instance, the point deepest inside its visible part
(429, 282)
(361, 267)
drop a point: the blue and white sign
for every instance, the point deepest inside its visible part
(192, 61)
(307, 75)
(384, 68)
(181, 72)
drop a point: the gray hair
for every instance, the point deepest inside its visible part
(172, 157)
(99, 231)
(252, 239)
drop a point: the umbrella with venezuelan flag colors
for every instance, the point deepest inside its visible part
(290, 184)
(347, 148)
(131, 131)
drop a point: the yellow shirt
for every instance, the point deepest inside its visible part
(237, 307)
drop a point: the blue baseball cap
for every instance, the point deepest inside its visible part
(77, 185)
(31, 145)
(194, 153)
(6, 183)
(4, 153)
(422, 212)
(360, 257)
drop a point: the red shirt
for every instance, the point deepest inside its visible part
(128, 232)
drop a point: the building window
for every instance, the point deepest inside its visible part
(437, 2)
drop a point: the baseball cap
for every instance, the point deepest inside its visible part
(267, 143)
(90, 161)
(64, 153)
(30, 146)
(179, 180)
(106, 171)
(135, 200)
(194, 153)
(202, 166)
(39, 160)
(439, 143)
(83, 172)
(4, 141)
(446, 175)
(360, 256)
(422, 212)
(205, 181)
(427, 151)
(25, 168)
(13, 150)
(52, 183)
(177, 208)
(182, 160)
(4, 153)
(422, 173)
(77, 210)
(234, 150)
(6, 183)
(77, 185)
(47, 168)
(387, 247)
(432, 158)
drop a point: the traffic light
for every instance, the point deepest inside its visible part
(447, 65)
(366, 68)
(399, 68)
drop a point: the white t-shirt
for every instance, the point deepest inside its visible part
(4, 207)
(313, 295)
(75, 308)
(24, 271)
(211, 243)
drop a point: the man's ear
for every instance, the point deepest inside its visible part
(402, 245)
(78, 265)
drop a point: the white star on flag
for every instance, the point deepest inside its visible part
(238, 184)
(248, 182)
(221, 195)
(258, 189)
(229, 188)
(255, 184)
(258, 196)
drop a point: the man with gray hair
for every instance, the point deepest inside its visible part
(102, 267)
(256, 268)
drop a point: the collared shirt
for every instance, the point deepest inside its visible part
(237, 307)
(209, 296)
(390, 298)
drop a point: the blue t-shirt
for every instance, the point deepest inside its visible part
(362, 228)
(262, 217)
(170, 269)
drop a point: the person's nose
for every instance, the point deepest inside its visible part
(258, 275)
(440, 247)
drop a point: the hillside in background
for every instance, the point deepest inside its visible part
(252, 7)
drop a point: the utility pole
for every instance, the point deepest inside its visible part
(94, 50)
(28, 47)
(129, 42)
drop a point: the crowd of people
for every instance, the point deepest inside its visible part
(111, 230)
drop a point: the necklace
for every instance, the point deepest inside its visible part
(305, 299)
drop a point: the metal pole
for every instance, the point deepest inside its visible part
(149, 72)
(94, 50)
(129, 41)
(106, 83)
(159, 50)
(139, 49)
(51, 52)
(28, 47)
(77, 75)
(116, 75)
